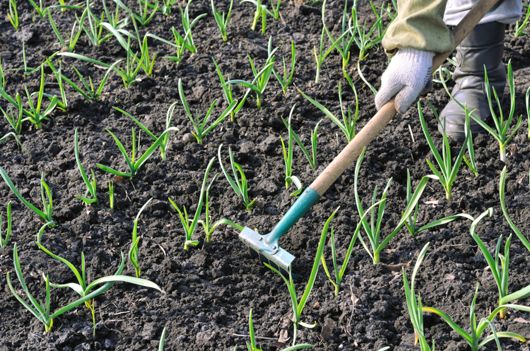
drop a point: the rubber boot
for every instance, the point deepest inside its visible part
(482, 48)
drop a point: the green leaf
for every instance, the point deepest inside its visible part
(517, 295)
(162, 342)
(125, 279)
(450, 322)
(316, 264)
(44, 216)
(145, 156)
(502, 197)
(113, 171)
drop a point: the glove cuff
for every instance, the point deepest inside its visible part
(415, 56)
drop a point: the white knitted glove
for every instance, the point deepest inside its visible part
(408, 73)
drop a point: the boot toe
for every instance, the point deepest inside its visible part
(451, 127)
(453, 117)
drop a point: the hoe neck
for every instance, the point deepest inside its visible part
(302, 205)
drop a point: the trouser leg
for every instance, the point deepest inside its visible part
(482, 49)
(507, 11)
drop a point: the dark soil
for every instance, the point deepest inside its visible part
(210, 289)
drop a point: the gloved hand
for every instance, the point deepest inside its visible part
(408, 73)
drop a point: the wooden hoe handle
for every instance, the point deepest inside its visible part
(368, 133)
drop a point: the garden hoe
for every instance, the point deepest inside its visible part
(267, 245)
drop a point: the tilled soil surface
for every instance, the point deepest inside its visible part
(210, 289)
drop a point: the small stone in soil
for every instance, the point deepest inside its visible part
(299, 37)
(188, 138)
(148, 331)
(109, 344)
(198, 92)
(246, 147)
(86, 331)
(268, 144)
(205, 337)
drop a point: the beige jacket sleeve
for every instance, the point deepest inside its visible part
(419, 25)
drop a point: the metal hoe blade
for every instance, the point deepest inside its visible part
(271, 250)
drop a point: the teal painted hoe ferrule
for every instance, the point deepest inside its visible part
(304, 203)
(267, 245)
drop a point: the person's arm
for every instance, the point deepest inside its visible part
(415, 36)
(419, 25)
